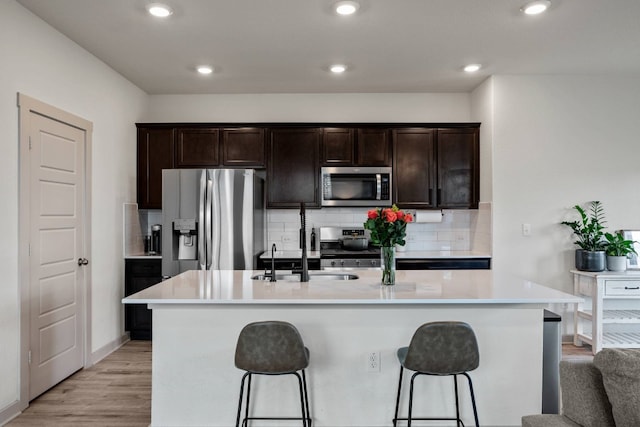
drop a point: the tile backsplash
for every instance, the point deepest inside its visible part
(460, 230)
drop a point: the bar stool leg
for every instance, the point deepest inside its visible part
(455, 386)
(303, 418)
(413, 377)
(395, 418)
(473, 399)
(246, 413)
(306, 398)
(240, 399)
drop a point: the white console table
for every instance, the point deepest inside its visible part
(610, 315)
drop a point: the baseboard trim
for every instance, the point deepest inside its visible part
(10, 412)
(109, 348)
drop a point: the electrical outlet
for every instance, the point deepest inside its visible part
(373, 361)
(526, 229)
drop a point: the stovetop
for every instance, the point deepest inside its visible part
(331, 244)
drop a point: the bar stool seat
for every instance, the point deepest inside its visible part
(439, 348)
(272, 348)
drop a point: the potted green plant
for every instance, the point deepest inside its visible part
(618, 249)
(591, 243)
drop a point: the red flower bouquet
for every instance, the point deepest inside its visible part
(388, 226)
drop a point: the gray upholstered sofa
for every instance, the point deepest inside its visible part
(602, 393)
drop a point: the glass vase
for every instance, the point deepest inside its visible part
(388, 265)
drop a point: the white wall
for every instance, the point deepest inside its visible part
(559, 141)
(363, 107)
(41, 63)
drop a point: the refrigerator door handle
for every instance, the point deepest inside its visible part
(214, 208)
(202, 231)
(210, 231)
(247, 220)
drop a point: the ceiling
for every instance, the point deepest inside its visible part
(286, 46)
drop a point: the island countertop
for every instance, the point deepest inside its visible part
(225, 287)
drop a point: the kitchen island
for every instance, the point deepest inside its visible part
(198, 315)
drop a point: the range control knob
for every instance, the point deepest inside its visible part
(333, 263)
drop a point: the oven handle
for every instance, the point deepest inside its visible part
(378, 186)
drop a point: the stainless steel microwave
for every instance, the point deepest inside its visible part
(356, 186)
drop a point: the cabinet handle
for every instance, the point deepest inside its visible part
(632, 289)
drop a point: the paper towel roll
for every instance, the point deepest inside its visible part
(429, 216)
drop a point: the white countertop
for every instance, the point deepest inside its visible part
(412, 287)
(142, 256)
(627, 274)
(399, 254)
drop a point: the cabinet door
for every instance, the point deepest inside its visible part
(414, 167)
(243, 147)
(373, 148)
(198, 148)
(293, 168)
(155, 152)
(337, 147)
(458, 168)
(139, 275)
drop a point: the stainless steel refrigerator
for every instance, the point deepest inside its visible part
(212, 219)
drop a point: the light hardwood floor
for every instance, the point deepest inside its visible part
(114, 392)
(117, 392)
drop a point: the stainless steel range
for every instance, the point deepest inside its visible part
(347, 248)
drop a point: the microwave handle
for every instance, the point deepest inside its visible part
(378, 186)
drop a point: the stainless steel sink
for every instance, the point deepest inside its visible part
(312, 276)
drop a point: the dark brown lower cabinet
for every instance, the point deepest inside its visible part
(444, 264)
(139, 274)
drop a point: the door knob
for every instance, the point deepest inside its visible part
(83, 261)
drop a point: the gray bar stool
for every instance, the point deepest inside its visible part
(272, 348)
(439, 348)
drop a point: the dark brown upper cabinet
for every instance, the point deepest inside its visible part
(413, 167)
(196, 148)
(243, 147)
(155, 149)
(458, 168)
(338, 147)
(356, 147)
(436, 168)
(373, 147)
(293, 167)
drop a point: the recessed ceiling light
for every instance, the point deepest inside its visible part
(204, 69)
(346, 7)
(160, 10)
(338, 68)
(472, 68)
(536, 7)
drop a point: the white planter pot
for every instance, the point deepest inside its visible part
(616, 263)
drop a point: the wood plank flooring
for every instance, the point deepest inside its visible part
(117, 392)
(114, 392)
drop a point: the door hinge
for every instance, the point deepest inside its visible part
(29, 357)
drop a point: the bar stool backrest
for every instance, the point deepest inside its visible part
(443, 348)
(271, 347)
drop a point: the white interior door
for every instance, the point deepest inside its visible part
(57, 281)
